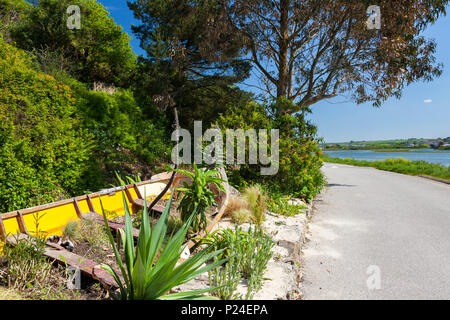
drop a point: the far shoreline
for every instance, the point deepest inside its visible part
(392, 150)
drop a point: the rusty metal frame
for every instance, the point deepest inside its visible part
(3, 234)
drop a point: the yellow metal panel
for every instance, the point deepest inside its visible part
(84, 207)
(11, 226)
(51, 221)
(113, 205)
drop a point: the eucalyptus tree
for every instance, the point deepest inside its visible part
(309, 50)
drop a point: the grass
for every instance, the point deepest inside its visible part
(9, 294)
(235, 203)
(241, 216)
(26, 274)
(401, 165)
(403, 150)
(88, 231)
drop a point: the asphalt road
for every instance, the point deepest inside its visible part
(378, 235)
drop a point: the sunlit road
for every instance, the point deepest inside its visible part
(379, 230)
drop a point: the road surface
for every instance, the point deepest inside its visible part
(378, 235)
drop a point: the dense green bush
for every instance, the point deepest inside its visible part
(299, 171)
(98, 52)
(44, 151)
(126, 140)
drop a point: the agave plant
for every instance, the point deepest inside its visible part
(198, 195)
(149, 269)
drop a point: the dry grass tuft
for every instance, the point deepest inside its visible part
(241, 216)
(235, 203)
(256, 198)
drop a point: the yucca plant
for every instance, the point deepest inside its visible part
(198, 195)
(149, 269)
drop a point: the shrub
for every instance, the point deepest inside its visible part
(300, 156)
(44, 151)
(125, 140)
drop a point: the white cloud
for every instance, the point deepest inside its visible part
(428, 101)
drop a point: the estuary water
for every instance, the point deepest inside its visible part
(432, 156)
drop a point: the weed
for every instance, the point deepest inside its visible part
(26, 265)
(174, 224)
(70, 231)
(226, 279)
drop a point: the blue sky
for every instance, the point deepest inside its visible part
(422, 112)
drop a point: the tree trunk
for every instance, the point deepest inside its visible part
(283, 43)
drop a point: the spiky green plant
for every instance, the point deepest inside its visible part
(149, 277)
(198, 195)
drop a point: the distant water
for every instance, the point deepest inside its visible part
(432, 156)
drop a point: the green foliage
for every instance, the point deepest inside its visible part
(10, 12)
(299, 167)
(44, 151)
(400, 166)
(150, 269)
(98, 52)
(175, 35)
(198, 196)
(250, 252)
(279, 204)
(226, 279)
(124, 137)
(26, 265)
